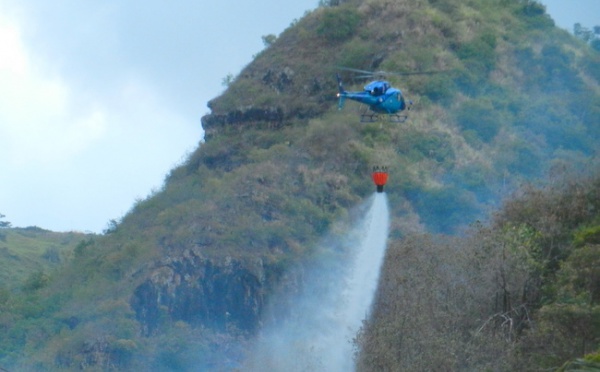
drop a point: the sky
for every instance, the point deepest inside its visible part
(100, 99)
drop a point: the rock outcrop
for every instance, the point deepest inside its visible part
(201, 291)
(271, 116)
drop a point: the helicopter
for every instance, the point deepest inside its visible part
(379, 97)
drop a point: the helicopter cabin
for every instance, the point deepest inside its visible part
(377, 88)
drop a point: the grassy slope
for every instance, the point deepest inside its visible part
(30, 250)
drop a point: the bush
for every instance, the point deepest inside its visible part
(444, 209)
(480, 117)
(525, 159)
(35, 281)
(439, 89)
(534, 15)
(479, 52)
(588, 235)
(355, 53)
(338, 23)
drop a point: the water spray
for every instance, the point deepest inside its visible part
(338, 292)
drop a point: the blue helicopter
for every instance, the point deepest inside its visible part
(379, 97)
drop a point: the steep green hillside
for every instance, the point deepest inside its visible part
(517, 97)
(185, 277)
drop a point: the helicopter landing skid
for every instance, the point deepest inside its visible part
(369, 118)
(395, 118)
(372, 118)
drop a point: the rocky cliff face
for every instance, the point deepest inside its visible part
(294, 94)
(201, 291)
(271, 116)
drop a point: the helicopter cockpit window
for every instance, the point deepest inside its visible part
(377, 88)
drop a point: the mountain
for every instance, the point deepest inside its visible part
(183, 281)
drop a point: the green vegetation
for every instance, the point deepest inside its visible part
(592, 37)
(33, 251)
(520, 294)
(185, 277)
(479, 117)
(4, 224)
(338, 23)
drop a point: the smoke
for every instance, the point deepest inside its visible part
(338, 288)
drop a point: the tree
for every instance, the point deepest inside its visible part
(4, 223)
(227, 80)
(268, 40)
(583, 33)
(590, 36)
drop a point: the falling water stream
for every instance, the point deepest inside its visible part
(326, 316)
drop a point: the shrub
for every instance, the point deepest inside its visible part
(444, 209)
(534, 14)
(439, 89)
(338, 23)
(479, 52)
(588, 235)
(479, 116)
(521, 157)
(35, 281)
(355, 53)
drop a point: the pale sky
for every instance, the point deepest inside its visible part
(568, 12)
(100, 99)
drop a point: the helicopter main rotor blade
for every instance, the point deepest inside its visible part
(356, 70)
(416, 73)
(371, 74)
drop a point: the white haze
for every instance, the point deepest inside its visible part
(318, 331)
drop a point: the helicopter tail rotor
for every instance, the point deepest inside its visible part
(341, 93)
(341, 102)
